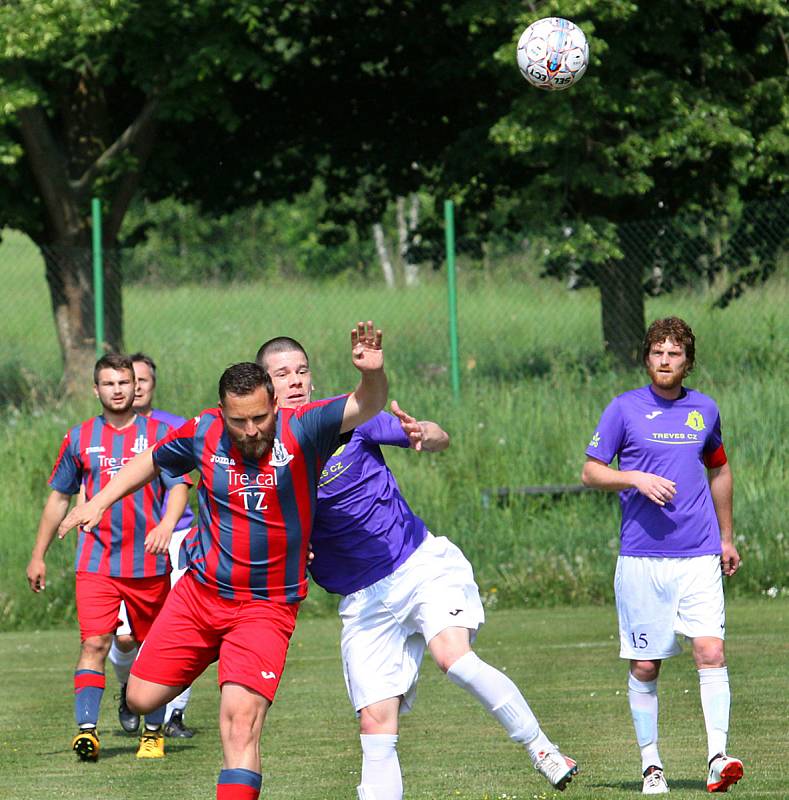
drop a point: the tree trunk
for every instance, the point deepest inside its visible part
(67, 162)
(383, 255)
(69, 274)
(410, 268)
(622, 303)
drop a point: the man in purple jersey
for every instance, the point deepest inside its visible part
(402, 589)
(124, 559)
(124, 648)
(238, 601)
(675, 491)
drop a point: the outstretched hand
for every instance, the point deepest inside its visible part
(88, 515)
(366, 348)
(412, 428)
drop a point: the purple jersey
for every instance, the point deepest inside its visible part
(673, 439)
(91, 453)
(364, 529)
(255, 515)
(174, 421)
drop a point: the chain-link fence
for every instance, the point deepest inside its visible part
(523, 310)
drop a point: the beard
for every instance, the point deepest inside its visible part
(118, 409)
(666, 380)
(254, 448)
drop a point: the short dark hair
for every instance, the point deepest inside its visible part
(117, 361)
(242, 379)
(144, 358)
(675, 329)
(279, 344)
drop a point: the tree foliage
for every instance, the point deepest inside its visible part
(683, 110)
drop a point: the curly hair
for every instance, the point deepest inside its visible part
(675, 329)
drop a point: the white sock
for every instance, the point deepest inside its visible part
(121, 661)
(178, 703)
(644, 708)
(715, 703)
(381, 778)
(502, 698)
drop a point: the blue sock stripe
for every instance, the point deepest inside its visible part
(87, 672)
(243, 776)
(156, 717)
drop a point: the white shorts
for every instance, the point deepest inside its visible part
(174, 550)
(659, 599)
(387, 625)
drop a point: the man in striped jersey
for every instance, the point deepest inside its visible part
(124, 646)
(238, 601)
(124, 557)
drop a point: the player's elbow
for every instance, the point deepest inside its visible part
(587, 475)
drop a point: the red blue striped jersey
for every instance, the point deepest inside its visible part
(91, 453)
(254, 516)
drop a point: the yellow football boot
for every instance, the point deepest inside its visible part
(151, 744)
(86, 745)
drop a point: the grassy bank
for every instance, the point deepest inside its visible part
(533, 385)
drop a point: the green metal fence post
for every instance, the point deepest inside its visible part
(454, 356)
(98, 277)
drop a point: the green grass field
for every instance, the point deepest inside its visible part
(534, 383)
(565, 660)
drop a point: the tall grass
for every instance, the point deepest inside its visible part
(534, 382)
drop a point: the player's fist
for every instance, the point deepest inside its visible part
(37, 575)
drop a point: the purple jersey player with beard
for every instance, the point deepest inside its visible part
(675, 490)
(402, 589)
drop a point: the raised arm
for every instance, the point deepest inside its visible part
(369, 397)
(54, 510)
(136, 473)
(598, 475)
(423, 434)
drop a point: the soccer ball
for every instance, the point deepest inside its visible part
(553, 53)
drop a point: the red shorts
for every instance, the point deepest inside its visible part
(99, 599)
(250, 639)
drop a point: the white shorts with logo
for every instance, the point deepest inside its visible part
(659, 599)
(174, 549)
(386, 626)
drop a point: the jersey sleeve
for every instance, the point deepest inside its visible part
(609, 435)
(385, 429)
(66, 475)
(321, 422)
(714, 454)
(175, 454)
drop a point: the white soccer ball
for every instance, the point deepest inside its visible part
(553, 53)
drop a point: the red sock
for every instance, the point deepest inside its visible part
(238, 784)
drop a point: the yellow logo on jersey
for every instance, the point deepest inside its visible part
(338, 451)
(595, 440)
(695, 421)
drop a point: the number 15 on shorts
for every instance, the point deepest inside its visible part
(639, 639)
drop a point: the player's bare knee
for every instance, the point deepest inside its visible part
(709, 654)
(96, 647)
(645, 671)
(125, 643)
(448, 646)
(380, 717)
